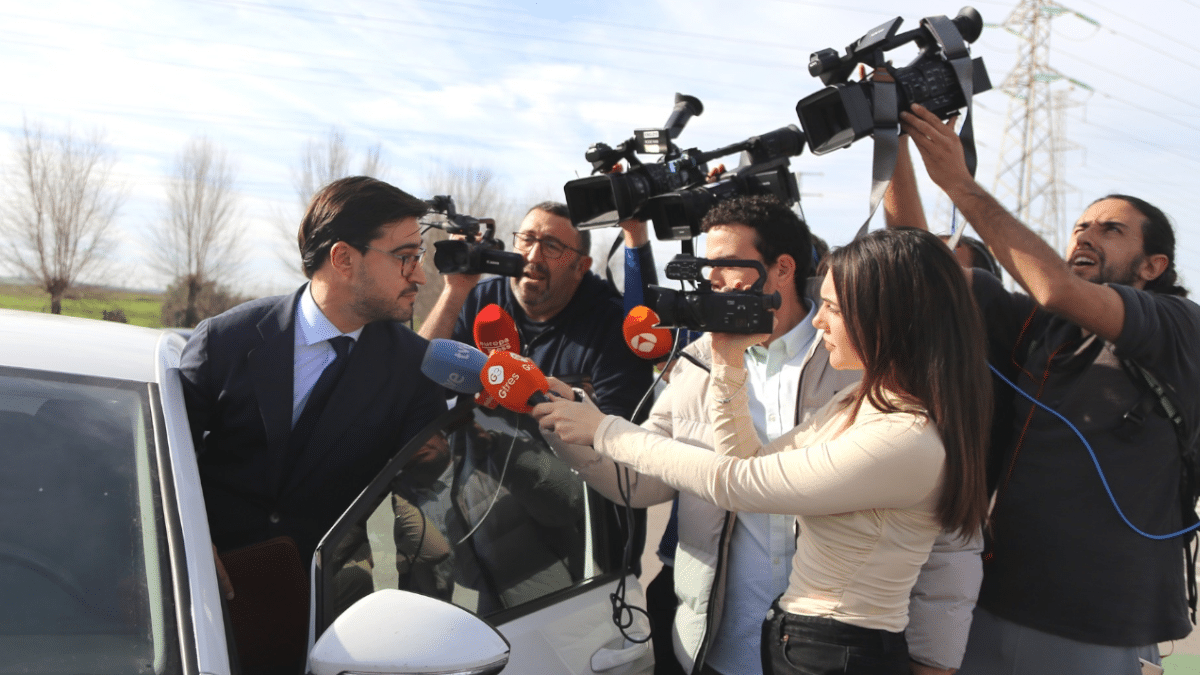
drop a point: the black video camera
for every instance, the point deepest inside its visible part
(677, 214)
(843, 112)
(608, 199)
(479, 253)
(704, 309)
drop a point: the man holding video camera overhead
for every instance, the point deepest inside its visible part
(1108, 340)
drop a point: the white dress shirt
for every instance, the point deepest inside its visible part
(312, 349)
(761, 545)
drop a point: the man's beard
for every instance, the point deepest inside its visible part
(370, 306)
(1124, 277)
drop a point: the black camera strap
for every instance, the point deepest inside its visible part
(884, 110)
(956, 52)
(964, 67)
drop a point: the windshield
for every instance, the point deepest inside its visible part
(82, 545)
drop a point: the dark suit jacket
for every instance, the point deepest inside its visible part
(237, 373)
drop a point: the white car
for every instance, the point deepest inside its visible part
(474, 548)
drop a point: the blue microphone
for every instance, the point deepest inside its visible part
(454, 365)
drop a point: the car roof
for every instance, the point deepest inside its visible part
(89, 347)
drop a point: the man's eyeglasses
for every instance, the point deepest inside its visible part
(408, 262)
(551, 247)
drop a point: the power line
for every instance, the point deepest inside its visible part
(408, 23)
(1139, 24)
(1140, 83)
(1123, 136)
(701, 78)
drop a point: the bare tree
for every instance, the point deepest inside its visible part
(477, 193)
(62, 201)
(322, 161)
(198, 241)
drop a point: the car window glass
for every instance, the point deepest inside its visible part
(481, 513)
(82, 547)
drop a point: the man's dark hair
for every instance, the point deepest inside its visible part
(560, 209)
(777, 230)
(353, 210)
(981, 256)
(820, 249)
(1157, 237)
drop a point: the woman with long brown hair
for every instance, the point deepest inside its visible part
(876, 475)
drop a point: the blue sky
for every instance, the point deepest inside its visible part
(523, 88)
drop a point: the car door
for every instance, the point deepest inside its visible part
(85, 568)
(477, 511)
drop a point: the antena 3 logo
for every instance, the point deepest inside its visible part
(644, 342)
(495, 375)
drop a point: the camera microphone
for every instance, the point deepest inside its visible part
(514, 381)
(643, 336)
(495, 329)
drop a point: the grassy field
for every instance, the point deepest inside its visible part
(141, 308)
(1181, 664)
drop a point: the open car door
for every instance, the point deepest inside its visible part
(477, 511)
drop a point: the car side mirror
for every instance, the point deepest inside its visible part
(392, 631)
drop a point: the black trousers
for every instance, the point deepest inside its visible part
(660, 605)
(793, 644)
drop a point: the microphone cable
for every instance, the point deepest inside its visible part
(1095, 462)
(623, 614)
(499, 486)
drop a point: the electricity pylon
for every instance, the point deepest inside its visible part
(1029, 179)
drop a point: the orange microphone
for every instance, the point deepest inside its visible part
(485, 400)
(495, 329)
(514, 381)
(643, 336)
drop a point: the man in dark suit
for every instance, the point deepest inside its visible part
(297, 401)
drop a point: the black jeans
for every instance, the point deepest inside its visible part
(811, 645)
(660, 605)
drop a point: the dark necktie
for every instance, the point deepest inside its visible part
(319, 396)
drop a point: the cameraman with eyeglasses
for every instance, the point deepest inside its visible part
(569, 319)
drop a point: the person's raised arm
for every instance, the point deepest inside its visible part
(440, 322)
(902, 202)
(639, 263)
(1035, 266)
(635, 233)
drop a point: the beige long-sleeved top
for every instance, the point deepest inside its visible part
(865, 495)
